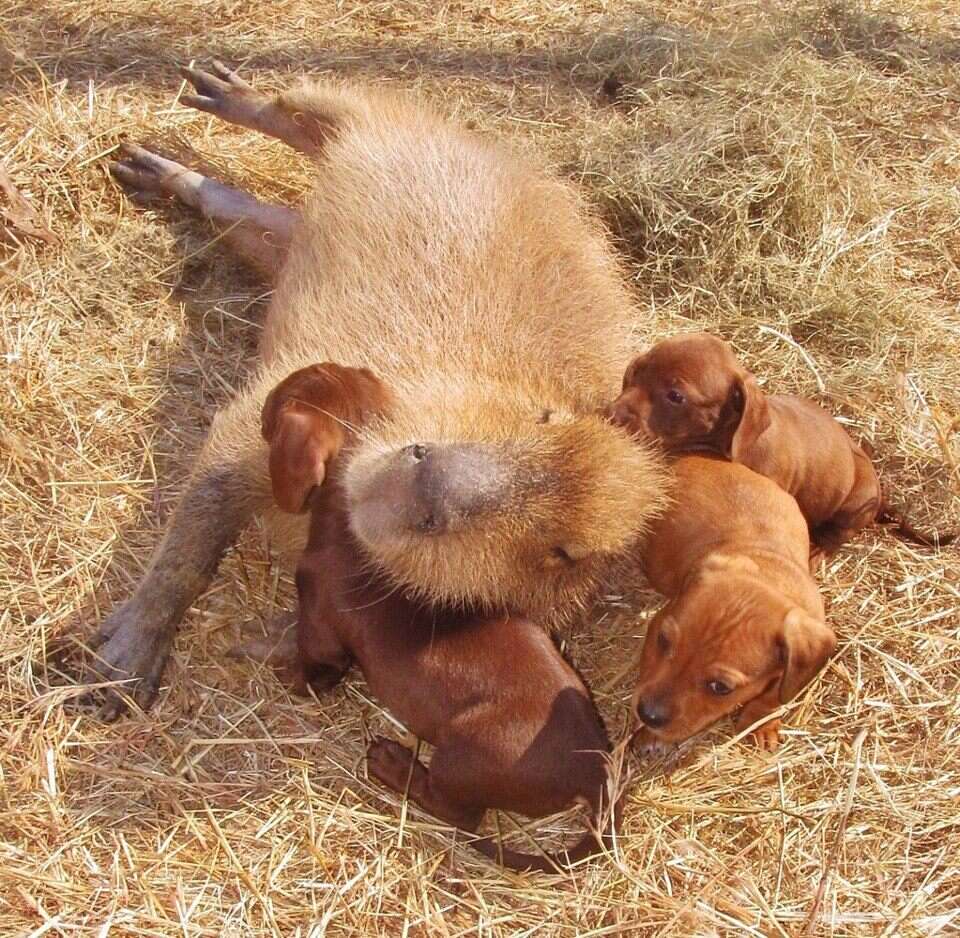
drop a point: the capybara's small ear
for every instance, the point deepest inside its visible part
(805, 644)
(300, 446)
(747, 416)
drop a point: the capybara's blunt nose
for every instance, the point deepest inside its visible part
(454, 482)
(432, 488)
(654, 713)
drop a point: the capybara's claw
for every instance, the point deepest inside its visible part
(132, 654)
(145, 171)
(222, 93)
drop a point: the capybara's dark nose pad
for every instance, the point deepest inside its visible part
(653, 713)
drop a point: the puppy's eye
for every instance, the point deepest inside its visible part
(719, 688)
(663, 643)
(675, 397)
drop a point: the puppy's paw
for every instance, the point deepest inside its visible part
(389, 763)
(649, 746)
(767, 736)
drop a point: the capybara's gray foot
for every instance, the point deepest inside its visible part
(144, 172)
(133, 650)
(275, 644)
(224, 94)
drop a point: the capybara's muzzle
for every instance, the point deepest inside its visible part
(432, 489)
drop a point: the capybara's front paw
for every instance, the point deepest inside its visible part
(389, 763)
(273, 642)
(133, 650)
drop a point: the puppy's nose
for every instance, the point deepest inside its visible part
(653, 713)
(622, 414)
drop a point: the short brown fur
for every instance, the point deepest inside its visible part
(513, 724)
(744, 627)
(690, 393)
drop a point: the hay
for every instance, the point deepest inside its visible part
(789, 179)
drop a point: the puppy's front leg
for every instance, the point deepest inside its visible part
(767, 735)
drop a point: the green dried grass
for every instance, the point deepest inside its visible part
(787, 178)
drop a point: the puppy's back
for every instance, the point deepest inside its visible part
(719, 506)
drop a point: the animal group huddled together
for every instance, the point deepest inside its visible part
(434, 433)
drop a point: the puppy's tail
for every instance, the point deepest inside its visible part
(894, 517)
(591, 843)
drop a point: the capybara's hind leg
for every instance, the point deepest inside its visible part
(226, 95)
(397, 768)
(258, 232)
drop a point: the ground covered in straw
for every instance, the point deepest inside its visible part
(787, 177)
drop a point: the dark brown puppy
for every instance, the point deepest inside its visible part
(692, 394)
(744, 628)
(513, 724)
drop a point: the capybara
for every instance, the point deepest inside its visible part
(484, 295)
(692, 394)
(744, 626)
(513, 724)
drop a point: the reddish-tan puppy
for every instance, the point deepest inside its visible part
(692, 394)
(744, 628)
(513, 724)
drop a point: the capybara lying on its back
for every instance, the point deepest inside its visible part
(483, 295)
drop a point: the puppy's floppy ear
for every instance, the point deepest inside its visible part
(744, 417)
(301, 443)
(729, 563)
(632, 371)
(805, 644)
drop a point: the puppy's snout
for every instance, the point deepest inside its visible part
(654, 713)
(623, 412)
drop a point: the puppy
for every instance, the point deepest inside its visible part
(744, 626)
(690, 393)
(514, 726)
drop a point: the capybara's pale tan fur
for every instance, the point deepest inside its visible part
(485, 297)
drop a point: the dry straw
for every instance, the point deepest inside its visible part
(788, 178)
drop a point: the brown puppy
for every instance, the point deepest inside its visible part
(744, 626)
(692, 394)
(513, 724)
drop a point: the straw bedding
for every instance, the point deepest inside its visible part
(788, 177)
